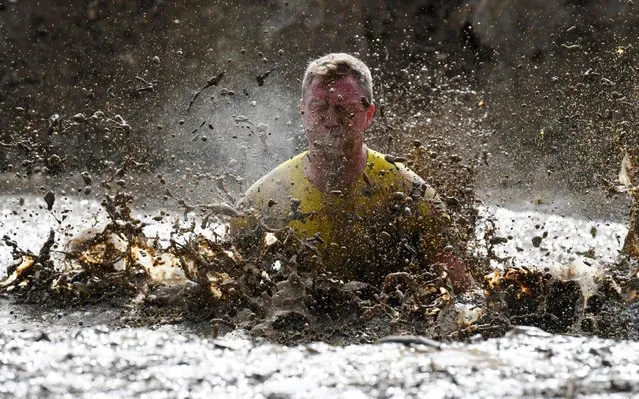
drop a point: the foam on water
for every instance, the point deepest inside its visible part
(96, 362)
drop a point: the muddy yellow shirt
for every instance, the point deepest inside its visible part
(378, 224)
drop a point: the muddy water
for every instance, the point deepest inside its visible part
(172, 362)
(78, 353)
(537, 238)
(26, 220)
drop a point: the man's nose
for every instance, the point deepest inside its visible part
(331, 118)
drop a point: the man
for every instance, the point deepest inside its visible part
(367, 215)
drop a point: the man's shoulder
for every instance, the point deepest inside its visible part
(386, 167)
(378, 162)
(276, 182)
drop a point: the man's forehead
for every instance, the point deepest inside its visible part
(340, 84)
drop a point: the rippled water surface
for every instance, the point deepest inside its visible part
(171, 362)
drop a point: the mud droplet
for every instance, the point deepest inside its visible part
(49, 198)
(54, 160)
(88, 180)
(385, 236)
(536, 241)
(398, 196)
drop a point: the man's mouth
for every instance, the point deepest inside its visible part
(336, 132)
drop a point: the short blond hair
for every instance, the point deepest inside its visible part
(339, 64)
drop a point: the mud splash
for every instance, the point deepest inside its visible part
(272, 286)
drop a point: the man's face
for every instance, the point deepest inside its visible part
(335, 115)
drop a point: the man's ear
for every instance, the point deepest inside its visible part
(370, 113)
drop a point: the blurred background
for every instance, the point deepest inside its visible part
(517, 102)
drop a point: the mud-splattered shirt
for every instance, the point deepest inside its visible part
(382, 222)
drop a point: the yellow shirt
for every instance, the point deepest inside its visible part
(380, 223)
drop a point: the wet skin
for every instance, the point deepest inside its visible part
(335, 119)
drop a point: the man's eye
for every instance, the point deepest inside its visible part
(351, 111)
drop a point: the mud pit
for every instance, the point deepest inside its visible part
(156, 257)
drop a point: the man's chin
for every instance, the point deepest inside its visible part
(333, 152)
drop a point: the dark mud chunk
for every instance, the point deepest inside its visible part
(620, 386)
(534, 298)
(496, 240)
(289, 320)
(41, 336)
(562, 301)
(515, 292)
(331, 298)
(409, 340)
(49, 198)
(86, 177)
(536, 241)
(260, 78)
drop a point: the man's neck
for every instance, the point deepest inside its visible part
(329, 174)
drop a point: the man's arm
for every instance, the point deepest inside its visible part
(437, 236)
(460, 278)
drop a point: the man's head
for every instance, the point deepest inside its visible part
(339, 64)
(336, 104)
